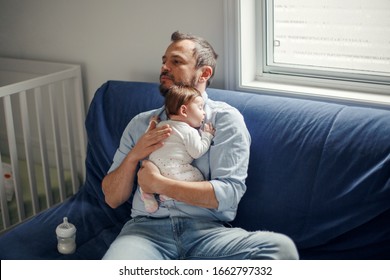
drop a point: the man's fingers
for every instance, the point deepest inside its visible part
(152, 125)
(160, 133)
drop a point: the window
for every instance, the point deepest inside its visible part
(323, 49)
(347, 39)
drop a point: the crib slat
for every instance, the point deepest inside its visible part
(69, 133)
(28, 150)
(57, 144)
(14, 156)
(78, 89)
(3, 201)
(43, 146)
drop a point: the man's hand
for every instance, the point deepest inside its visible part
(151, 140)
(148, 176)
(118, 185)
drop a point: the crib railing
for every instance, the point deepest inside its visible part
(43, 130)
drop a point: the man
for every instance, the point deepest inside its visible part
(191, 225)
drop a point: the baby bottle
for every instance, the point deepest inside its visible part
(66, 237)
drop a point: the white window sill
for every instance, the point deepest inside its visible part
(369, 97)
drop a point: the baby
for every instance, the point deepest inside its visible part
(184, 108)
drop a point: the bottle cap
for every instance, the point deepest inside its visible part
(66, 229)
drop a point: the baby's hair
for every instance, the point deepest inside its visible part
(178, 96)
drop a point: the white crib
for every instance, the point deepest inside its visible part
(42, 136)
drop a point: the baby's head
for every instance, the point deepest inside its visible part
(185, 103)
(178, 96)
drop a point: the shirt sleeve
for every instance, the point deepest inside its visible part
(133, 131)
(229, 158)
(125, 146)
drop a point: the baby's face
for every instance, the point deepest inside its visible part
(196, 113)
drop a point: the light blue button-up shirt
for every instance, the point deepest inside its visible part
(225, 165)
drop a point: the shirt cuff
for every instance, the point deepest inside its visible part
(224, 196)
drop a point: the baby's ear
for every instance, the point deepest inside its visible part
(183, 110)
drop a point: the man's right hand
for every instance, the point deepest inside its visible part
(117, 185)
(150, 141)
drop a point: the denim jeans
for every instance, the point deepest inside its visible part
(144, 238)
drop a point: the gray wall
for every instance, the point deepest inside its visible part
(111, 39)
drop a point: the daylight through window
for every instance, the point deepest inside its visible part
(347, 39)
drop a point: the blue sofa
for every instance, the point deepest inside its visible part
(319, 172)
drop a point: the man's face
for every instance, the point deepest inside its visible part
(178, 66)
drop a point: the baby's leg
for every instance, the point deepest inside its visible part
(151, 204)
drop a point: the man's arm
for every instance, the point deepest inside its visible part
(118, 184)
(199, 194)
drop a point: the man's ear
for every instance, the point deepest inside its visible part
(183, 110)
(207, 72)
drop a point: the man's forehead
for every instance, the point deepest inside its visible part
(183, 49)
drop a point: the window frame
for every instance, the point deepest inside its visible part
(244, 38)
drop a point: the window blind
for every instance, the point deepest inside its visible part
(350, 37)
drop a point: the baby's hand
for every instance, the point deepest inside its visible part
(208, 127)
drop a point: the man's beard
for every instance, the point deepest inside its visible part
(164, 90)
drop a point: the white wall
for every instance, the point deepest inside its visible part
(111, 39)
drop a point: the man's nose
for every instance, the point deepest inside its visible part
(164, 67)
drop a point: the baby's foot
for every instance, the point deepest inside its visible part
(151, 205)
(164, 197)
(150, 202)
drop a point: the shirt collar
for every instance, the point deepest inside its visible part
(205, 97)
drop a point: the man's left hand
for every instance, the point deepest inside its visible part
(148, 177)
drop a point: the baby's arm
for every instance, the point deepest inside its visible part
(197, 145)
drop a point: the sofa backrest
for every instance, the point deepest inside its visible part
(318, 172)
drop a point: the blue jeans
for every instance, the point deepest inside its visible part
(144, 238)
